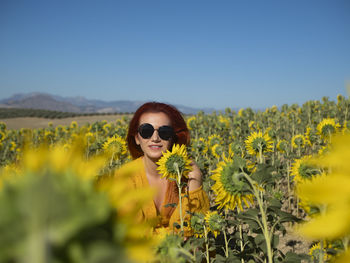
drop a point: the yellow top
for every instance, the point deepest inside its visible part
(192, 201)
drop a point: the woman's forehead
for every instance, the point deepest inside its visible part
(155, 118)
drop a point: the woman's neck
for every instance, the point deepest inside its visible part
(150, 167)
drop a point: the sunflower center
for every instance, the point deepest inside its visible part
(214, 140)
(299, 141)
(259, 143)
(170, 163)
(283, 146)
(218, 150)
(306, 172)
(215, 222)
(116, 146)
(233, 181)
(328, 129)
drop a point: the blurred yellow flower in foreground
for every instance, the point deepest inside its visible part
(139, 237)
(58, 159)
(331, 193)
(134, 236)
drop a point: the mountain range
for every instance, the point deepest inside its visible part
(45, 101)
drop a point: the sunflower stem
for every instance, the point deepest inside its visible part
(178, 182)
(241, 240)
(265, 229)
(321, 255)
(111, 161)
(226, 243)
(206, 244)
(260, 155)
(288, 185)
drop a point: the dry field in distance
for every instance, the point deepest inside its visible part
(34, 122)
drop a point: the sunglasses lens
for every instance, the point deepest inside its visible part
(166, 132)
(146, 130)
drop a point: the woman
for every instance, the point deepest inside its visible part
(154, 128)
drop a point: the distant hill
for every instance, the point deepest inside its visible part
(79, 104)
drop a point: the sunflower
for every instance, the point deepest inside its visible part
(13, 146)
(199, 145)
(116, 146)
(59, 129)
(271, 132)
(231, 188)
(174, 162)
(107, 128)
(257, 143)
(283, 146)
(2, 136)
(89, 137)
(215, 222)
(2, 126)
(224, 121)
(310, 136)
(315, 253)
(191, 122)
(327, 127)
(323, 150)
(302, 169)
(217, 151)
(214, 139)
(252, 125)
(73, 125)
(234, 148)
(340, 98)
(197, 224)
(298, 141)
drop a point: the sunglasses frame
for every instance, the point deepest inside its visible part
(159, 130)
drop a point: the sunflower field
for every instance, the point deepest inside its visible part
(278, 183)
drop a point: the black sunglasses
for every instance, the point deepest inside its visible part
(146, 131)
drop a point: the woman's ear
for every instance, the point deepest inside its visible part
(137, 141)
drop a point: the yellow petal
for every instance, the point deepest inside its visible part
(330, 189)
(334, 224)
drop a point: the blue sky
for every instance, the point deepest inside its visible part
(196, 53)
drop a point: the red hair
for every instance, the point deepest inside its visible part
(177, 122)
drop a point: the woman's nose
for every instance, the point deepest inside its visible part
(155, 136)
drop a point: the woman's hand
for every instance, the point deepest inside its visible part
(194, 177)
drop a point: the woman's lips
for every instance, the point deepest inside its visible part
(155, 146)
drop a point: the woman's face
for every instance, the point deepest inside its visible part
(154, 146)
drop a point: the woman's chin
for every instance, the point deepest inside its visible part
(154, 156)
